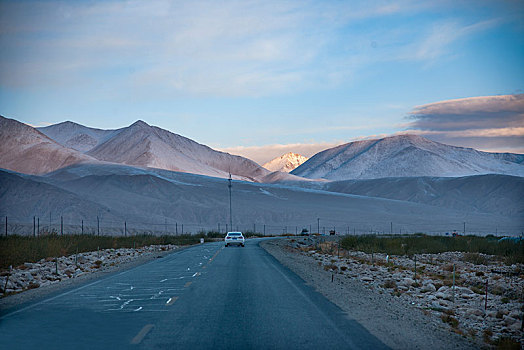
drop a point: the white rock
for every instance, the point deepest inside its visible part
(475, 312)
(428, 288)
(407, 281)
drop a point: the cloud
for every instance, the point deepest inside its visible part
(442, 35)
(263, 154)
(486, 123)
(226, 48)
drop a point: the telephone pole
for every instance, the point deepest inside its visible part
(230, 208)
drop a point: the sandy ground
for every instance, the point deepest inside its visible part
(398, 325)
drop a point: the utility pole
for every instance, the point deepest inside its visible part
(230, 208)
(318, 225)
(98, 226)
(464, 227)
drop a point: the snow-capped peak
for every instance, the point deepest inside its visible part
(286, 162)
(405, 156)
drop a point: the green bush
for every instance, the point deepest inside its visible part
(510, 251)
(16, 250)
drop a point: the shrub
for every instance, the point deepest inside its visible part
(509, 250)
(486, 335)
(507, 343)
(15, 249)
(475, 258)
(390, 284)
(452, 321)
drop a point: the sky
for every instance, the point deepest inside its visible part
(261, 78)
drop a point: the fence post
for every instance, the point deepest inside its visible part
(61, 225)
(38, 226)
(415, 268)
(98, 226)
(125, 229)
(182, 228)
(486, 301)
(82, 226)
(264, 229)
(6, 226)
(453, 283)
(176, 228)
(34, 226)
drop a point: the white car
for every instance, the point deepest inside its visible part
(234, 238)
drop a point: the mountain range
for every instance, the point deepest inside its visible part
(406, 156)
(33, 151)
(145, 175)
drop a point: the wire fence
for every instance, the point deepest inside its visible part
(37, 226)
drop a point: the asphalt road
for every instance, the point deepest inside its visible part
(203, 297)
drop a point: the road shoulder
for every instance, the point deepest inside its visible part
(398, 325)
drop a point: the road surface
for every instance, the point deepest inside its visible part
(203, 297)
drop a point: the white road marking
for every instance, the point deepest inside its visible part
(140, 308)
(171, 301)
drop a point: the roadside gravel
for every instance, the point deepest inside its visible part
(398, 325)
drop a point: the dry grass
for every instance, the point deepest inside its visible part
(511, 252)
(16, 250)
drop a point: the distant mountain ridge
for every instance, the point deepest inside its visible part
(286, 162)
(77, 136)
(149, 146)
(26, 150)
(139, 145)
(406, 156)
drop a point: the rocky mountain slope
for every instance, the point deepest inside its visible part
(29, 151)
(286, 162)
(405, 156)
(26, 150)
(148, 146)
(154, 199)
(492, 193)
(76, 136)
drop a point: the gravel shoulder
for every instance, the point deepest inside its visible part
(398, 325)
(19, 300)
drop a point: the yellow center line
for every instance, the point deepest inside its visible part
(143, 332)
(171, 301)
(187, 284)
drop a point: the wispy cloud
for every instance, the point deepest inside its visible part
(227, 48)
(488, 123)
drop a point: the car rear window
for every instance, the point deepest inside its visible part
(234, 234)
